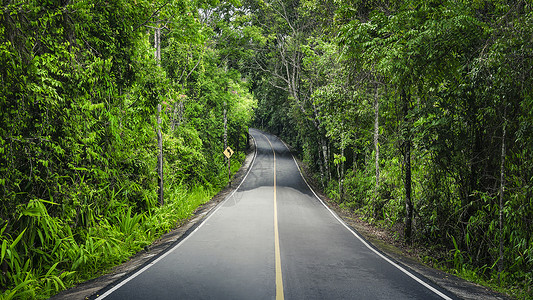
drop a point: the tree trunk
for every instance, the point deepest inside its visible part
(407, 167)
(341, 176)
(160, 156)
(225, 127)
(502, 190)
(321, 167)
(157, 44)
(407, 185)
(354, 158)
(376, 136)
(226, 142)
(325, 157)
(326, 150)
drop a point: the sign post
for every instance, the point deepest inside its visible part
(228, 153)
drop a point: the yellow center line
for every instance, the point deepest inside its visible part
(279, 278)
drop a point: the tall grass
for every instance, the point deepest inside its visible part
(48, 256)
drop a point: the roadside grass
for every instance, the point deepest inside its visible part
(508, 286)
(89, 253)
(451, 262)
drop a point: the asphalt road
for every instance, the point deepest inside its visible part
(273, 239)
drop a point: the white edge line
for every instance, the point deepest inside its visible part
(361, 239)
(123, 282)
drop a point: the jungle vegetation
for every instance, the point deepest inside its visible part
(81, 83)
(418, 115)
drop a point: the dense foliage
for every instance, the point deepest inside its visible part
(78, 150)
(417, 114)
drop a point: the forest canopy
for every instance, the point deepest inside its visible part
(416, 115)
(80, 90)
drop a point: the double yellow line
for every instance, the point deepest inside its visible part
(279, 277)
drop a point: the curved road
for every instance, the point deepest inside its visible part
(273, 239)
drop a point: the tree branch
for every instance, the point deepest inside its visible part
(151, 16)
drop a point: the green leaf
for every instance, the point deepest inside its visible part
(3, 253)
(15, 242)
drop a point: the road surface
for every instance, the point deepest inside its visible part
(273, 239)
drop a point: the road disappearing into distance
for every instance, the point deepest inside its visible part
(272, 238)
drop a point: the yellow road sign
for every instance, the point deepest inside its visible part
(228, 152)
